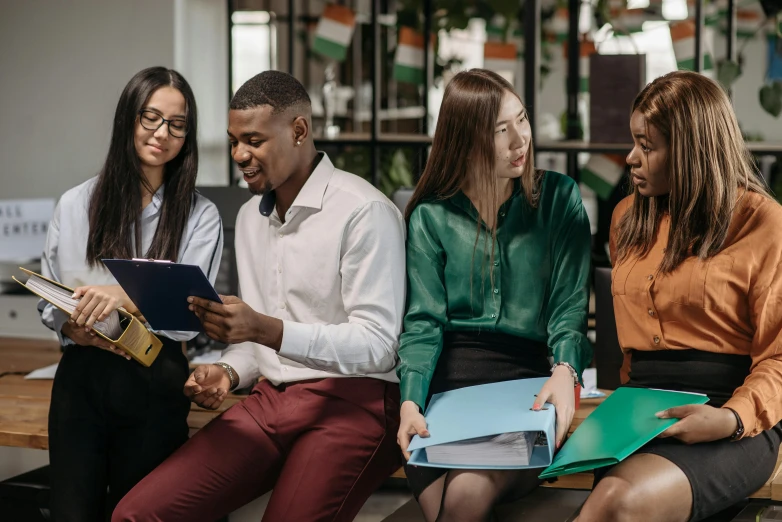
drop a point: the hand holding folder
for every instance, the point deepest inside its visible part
(623, 423)
(160, 290)
(487, 410)
(121, 329)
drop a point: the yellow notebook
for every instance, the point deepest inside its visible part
(122, 329)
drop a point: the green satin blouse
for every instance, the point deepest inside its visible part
(541, 278)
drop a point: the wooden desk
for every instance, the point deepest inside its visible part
(24, 404)
(26, 355)
(24, 410)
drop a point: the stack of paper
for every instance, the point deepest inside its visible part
(507, 449)
(489, 426)
(60, 297)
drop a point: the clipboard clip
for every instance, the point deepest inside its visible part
(151, 260)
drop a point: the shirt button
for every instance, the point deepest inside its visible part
(651, 312)
(496, 291)
(649, 277)
(281, 238)
(656, 339)
(493, 316)
(279, 269)
(282, 306)
(496, 263)
(502, 214)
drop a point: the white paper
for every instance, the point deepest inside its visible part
(47, 372)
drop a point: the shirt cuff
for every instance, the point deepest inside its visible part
(297, 340)
(746, 411)
(60, 318)
(243, 363)
(413, 387)
(567, 353)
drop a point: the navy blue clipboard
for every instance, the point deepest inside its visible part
(160, 290)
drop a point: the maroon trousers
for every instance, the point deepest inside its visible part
(323, 446)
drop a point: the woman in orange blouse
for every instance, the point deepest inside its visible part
(697, 286)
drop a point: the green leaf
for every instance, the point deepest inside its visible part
(771, 98)
(727, 72)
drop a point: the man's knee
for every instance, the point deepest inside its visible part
(128, 511)
(613, 500)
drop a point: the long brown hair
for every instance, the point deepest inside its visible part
(463, 149)
(115, 204)
(708, 164)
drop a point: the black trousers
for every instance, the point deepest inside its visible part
(111, 422)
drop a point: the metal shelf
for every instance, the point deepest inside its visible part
(564, 146)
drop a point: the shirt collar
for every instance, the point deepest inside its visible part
(463, 202)
(154, 206)
(311, 194)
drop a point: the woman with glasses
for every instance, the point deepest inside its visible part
(112, 420)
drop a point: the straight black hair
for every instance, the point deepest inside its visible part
(115, 204)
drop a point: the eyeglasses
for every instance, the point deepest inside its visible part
(151, 120)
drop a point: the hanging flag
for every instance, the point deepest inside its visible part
(602, 172)
(559, 24)
(500, 58)
(586, 49)
(334, 32)
(683, 38)
(409, 57)
(747, 22)
(712, 12)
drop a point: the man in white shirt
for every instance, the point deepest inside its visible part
(320, 254)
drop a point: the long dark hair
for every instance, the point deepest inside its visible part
(463, 149)
(709, 167)
(115, 204)
(463, 144)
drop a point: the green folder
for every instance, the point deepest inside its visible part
(624, 422)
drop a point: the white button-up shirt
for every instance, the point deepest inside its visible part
(334, 272)
(65, 253)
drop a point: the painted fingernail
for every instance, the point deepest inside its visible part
(536, 407)
(558, 444)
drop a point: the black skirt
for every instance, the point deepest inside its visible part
(473, 358)
(717, 471)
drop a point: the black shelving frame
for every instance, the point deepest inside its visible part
(375, 140)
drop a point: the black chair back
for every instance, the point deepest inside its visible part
(608, 355)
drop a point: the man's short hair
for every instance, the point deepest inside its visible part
(277, 89)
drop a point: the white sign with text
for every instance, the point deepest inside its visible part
(23, 227)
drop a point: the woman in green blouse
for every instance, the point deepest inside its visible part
(498, 258)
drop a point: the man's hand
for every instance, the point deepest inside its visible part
(559, 390)
(234, 321)
(699, 423)
(97, 302)
(87, 337)
(411, 423)
(208, 386)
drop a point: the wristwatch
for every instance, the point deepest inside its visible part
(231, 374)
(573, 372)
(740, 430)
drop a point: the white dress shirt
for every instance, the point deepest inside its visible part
(334, 272)
(65, 261)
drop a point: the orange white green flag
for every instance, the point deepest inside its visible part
(334, 32)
